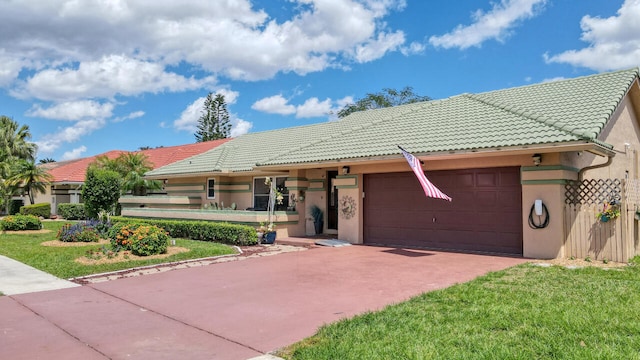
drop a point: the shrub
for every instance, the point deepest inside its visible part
(42, 209)
(72, 211)
(15, 205)
(120, 233)
(226, 233)
(149, 240)
(80, 232)
(101, 191)
(20, 222)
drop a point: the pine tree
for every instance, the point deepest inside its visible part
(214, 121)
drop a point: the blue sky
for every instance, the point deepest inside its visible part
(97, 75)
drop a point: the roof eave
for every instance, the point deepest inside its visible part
(584, 145)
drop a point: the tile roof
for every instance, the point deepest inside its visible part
(75, 170)
(547, 113)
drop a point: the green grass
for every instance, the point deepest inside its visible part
(525, 312)
(59, 261)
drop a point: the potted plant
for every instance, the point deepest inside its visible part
(610, 210)
(269, 234)
(318, 219)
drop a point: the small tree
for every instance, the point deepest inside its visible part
(29, 177)
(385, 98)
(214, 122)
(101, 191)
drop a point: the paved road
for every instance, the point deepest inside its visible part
(234, 310)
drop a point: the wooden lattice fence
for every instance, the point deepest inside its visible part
(588, 237)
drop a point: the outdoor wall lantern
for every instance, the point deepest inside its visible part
(345, 170)
(537, 159)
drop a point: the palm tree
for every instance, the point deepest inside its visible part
(14, 145)
(29, 177)
(132, 167)
(13, 140)
(46, 161)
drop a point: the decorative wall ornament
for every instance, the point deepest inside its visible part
(347, 206)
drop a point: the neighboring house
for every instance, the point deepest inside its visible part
(68, 176)
(494, 153)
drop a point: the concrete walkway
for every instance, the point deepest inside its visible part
(18, 278)
(233, 310)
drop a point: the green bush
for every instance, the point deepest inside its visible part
(15, 205)
(149, 240)
(101, 191)
(20, 222)
(225, 233)
(41, 209)
(72, 211)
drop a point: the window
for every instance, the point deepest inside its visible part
(211, 193)
(261, 194)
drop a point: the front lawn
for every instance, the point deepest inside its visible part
(59, 261)
(525, 312)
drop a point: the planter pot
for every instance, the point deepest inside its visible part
(604, 218)
(319, 227)
(269, 238)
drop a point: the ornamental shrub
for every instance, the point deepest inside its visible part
(41, 209)
(80, 232)
(120, 233)
(101, 191)
(149, 240)
(226, 233)
(72, 211)
(20, 222)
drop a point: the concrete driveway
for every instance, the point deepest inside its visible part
(234, 310)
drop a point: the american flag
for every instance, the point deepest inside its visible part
(429, 189)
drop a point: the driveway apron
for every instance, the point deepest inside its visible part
(234, 310)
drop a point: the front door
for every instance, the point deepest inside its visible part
(332, 201)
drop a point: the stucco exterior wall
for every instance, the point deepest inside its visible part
(623, 132)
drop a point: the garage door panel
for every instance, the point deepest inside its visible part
(485, 214)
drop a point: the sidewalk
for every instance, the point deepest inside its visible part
(18, 278)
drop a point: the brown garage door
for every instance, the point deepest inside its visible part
(485, 214)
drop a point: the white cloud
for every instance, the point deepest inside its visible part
(377, 48)
(313, 108)
(73, 110)
(112, 75)
(74, 154)
(614, 42)
(240, 127)
(276, 104)
(51, 142)
(66, 45)
(496, 24)
(188, 120)
(133, 115)
(554, 79)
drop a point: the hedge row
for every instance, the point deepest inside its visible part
(226, 233)
(20, 222)
(72, 211)
(40, 210)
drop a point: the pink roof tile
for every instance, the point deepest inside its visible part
(75, 170)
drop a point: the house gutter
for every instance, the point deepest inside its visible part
(587, 146)
(597, 166)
